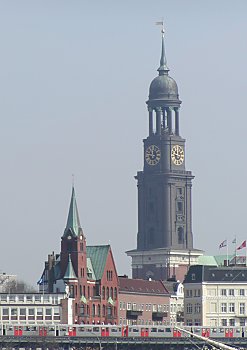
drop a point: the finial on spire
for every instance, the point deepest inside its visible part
(163, 69)
(73, 180)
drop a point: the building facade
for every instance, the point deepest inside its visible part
(87, 274)
(143, 302)
(215, 296)
(31, 308)
(164, 239)
(176, 305)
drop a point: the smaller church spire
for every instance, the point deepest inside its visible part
(73, 221)
(70, 272)
(163, 69)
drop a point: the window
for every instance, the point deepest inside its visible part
(154, 308)
(179, 206)
(242, 308)
(189, 308)
(223, 307)
(146, 307)
(242, 322)
(13, 313)
(103, 292)
(39, 314)
(223, 292)
(197, 309)
(224, 322)
(242, 292)
(189, 323)
(231, 292)
(128, 306)
(120, 305)
(231, 307)
(124, 306)
(37, 298)
(22, 313)
(115, 293)
(232, 322)
(189, 293)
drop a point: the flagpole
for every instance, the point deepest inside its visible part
(226, 253)
(235, 250)
(245, 255)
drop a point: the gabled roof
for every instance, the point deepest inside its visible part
(231, 274)
(129, 285)
(73, 222)
(70, 272)
(98, 255)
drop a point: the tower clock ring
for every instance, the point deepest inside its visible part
(152, 155)
(177, 155)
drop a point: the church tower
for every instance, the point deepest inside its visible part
(164, 239)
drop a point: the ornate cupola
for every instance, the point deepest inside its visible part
(163, 99)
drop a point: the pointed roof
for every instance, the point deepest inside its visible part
(98, 255)
(163, 69)
(70, 272)
(73, 221)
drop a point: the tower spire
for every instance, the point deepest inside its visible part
(73, 221)
(163, 68)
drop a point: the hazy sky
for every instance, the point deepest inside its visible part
(74, 78)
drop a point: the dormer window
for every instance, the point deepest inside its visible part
(193, 276)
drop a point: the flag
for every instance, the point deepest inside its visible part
(234, 241)
(83, 299)
(159, 23)
(110, 301)
(223, 244)
(41, 280)
(243, 245)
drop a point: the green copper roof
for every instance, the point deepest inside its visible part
(98, 255)
(70, 272)
(207, 260)
(73, 221)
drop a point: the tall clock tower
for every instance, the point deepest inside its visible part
(164, 239)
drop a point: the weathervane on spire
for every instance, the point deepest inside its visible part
(163, 69)
(161, 23)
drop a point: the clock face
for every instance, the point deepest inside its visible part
(177, 155)
(152, 155)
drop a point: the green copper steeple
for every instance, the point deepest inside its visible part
(73, 221)
(70, 272)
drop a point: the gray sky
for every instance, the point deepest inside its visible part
(74, 78)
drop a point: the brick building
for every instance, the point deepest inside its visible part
(143, 302)
(87, 273)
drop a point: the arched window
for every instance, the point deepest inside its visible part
(115, 293)
(107, 293)
(93, 310)
(76, 308)
(80, 290)
(88, 311)
(98, 310)
(180, 235)
(111, 293)
(103, 310)
(103, 292)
